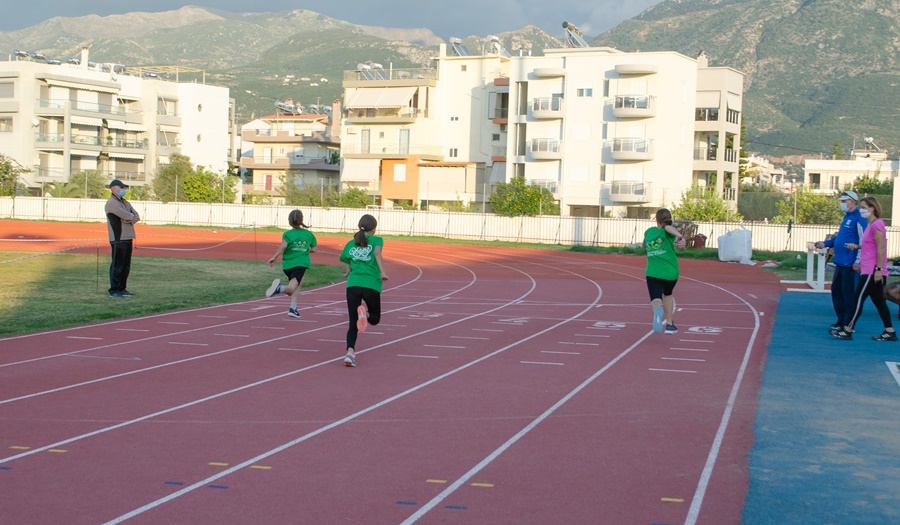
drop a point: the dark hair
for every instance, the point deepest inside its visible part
(664, 216)
(872, 202)
(367, 223)
(295, 219)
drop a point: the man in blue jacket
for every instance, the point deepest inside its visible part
(846, 262)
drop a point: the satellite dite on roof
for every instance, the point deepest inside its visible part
(573, 36)
(458, 47)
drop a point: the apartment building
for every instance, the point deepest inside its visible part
(302, 148)
(60, 118)
(607, 132)
(833, 175)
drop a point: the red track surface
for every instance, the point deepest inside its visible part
(503, 386)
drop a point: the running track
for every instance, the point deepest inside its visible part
(503, 386)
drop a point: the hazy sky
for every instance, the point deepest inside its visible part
(446, 18)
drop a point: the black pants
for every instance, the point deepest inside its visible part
(120, 266)
(355, 296)
(874, 290)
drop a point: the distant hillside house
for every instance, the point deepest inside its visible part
(607, 132)
(61, 118)
(300, 148)
(832, 175)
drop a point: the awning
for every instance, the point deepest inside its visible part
(126, 126)
(130, 156)
(169, 129)
(734, 101)
(84, 152)
(86, 121)
(83, 87)
(708, 99)
(377, 98)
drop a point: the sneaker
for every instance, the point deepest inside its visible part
(885, 336)
(116, 294)
(126, 293)
(658, 319)
(362, 321)
(671, 329)
(834, 328)
(294, 313)
(349, 360)
(272, 290)
(843, 334)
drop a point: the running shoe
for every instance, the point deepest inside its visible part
(294, 313)
(658, 319)
(274, 289)
(671, 329)
(349, 360)
(362, 318)
(126, 293)
(843, 334)
(885, 336)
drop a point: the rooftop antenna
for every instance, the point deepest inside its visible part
(573, 36)
(458, 47)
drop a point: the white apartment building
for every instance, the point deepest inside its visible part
(833, 175)
(57, 119)
(606, 132)
(304, 148)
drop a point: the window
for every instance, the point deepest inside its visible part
(7, 90)
(454, 152)
(707, 114)
(462, 67)
(603, 173)
(606, 88)
(495, 137)
(166, 106)
(6, 125)
(584, 92)
(834, 182)
(733, 116)
(381, 134)
(454, 119)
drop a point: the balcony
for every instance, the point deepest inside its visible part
(394, 151)
(282, 136)
(498, 153)
(625, 191)
(632, 149)
(548, 108)
(51, 175)
(52, 141)
(501, 116)
(549, 72)
(634, 106)
(406, 115)
(288, 162)
(546, 149)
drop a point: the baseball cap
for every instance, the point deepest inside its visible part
(849, 194)
(117, 182)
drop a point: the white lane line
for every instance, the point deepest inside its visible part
(83, 356)
(690, 349)
(695, 341)
(214, 316)
(443, 346)
(580, 344)
(670, 370)
(269, 327)
(299, 349)
(132, 329)
(486, 330)
(188, 344)
(332, 341)
(684, 359)
(541, 363)
(232, 335)
(418, 356)
(590, 335)
(556, 352)
(84, 337)
(468, 337)
(171, 322)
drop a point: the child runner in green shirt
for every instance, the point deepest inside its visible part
(365, 274)
(660, 242)
(296, 245)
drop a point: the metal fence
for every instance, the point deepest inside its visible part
(453, 225)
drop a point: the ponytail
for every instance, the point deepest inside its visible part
(295, 219)
(367, 224)
(664, 217)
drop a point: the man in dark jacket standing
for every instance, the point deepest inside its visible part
(120, 219)
(846, 261)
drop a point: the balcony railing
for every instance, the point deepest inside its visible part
(704, 153)
(79, 105)
(629, 191)
(632, 149)
(49, 137)
(498, 153)
(388, 114)
(49, 174)
(625, 106)
(391, 74)
(550, 107)
(85, 140)
(546, 149)
(391, 150)
(501, 113)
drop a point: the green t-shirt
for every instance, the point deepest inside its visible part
(364, 269)
(299, 242)
(662, 262)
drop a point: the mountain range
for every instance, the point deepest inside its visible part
(818, 72)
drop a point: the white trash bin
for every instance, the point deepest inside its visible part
(736, 246)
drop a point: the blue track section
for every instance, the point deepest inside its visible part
(827, 432)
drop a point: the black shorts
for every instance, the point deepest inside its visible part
(297, 272)
(659, 287)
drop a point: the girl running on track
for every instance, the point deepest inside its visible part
(660, 242)
(296, 245)
(872, 271)
(365, 274)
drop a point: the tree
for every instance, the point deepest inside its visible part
(515, 198)
(88, 184)
(179, 181)
(703, 204)
(354, 198)
(836, 150)
(812, 208)
(10, 170)
(872, 185)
